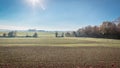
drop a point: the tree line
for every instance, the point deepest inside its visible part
(14, 34)
(108, 29)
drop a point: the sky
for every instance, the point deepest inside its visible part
(61, 15)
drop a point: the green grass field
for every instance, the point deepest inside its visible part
(50, 52)
(52, 41)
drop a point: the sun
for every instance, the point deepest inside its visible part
(34, 2)
(37, 3)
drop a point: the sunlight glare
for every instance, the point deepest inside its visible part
(37, 3)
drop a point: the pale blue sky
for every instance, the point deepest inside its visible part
(56, 14)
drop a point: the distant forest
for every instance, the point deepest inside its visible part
(108, 29)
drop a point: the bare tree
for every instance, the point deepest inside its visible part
(12, 34)
(56, 34)
(35, 35)
(108, 28)
(4, 35)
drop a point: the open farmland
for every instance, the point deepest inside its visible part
(51, 52)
